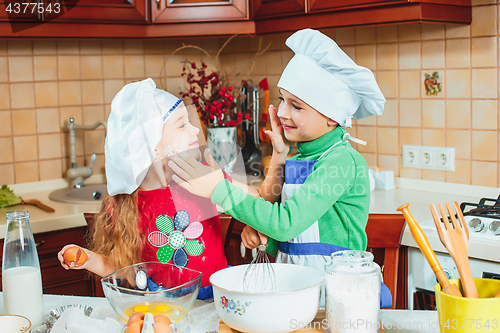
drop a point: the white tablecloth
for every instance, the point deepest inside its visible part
(202, 315)
(204, 318)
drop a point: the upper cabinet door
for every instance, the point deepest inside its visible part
(277, 8)
(318, 5)
(184, 11)
(98, 11)
(322, 14)
(73, 18)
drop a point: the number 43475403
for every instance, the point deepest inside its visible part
(32, 7)
(471, 323)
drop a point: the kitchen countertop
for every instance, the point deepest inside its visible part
(65, 216)
(204, 318)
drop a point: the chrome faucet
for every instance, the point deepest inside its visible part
(78, 174)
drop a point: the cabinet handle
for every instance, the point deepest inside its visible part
(40, 243)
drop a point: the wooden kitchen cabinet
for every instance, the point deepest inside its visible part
(153, 19)
(132, 19)
(74, 18)
(77, 11)
(86, 11)
(320, 14)
(272, 8)
(180, 11)
(109, 11)
(55, 279)
(318, 5)
(22, 16)
(181, 18)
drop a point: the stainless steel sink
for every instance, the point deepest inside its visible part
(88, 194)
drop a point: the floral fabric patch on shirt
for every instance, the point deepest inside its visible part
(176, 238)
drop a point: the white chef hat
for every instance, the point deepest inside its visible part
(134, 129)
(325, 78)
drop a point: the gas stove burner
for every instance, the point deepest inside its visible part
(493, 212)
(483, 218)
(482, 208)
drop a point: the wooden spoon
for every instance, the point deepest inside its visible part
(37, 203)
(425, 247)
(456, 241)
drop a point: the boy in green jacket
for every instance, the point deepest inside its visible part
(325, 191)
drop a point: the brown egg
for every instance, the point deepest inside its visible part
(135, 317)
(135, 327)
(161, 327)
(74, 256)
(162, 319)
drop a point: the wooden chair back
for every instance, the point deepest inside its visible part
(384, 232)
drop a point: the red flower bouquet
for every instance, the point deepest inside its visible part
(215, 102)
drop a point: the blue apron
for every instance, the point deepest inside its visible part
(306, 249)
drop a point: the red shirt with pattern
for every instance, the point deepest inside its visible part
(182, 229)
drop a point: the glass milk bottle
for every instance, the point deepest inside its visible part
(21, 278)
(352, 286)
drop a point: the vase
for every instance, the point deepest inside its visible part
(222, 144)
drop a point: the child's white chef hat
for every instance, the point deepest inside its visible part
(325, 78)
(134, 129)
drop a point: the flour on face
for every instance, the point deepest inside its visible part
(281, 108)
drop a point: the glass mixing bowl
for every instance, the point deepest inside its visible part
(152, 287)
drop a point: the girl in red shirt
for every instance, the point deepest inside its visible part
(146, 217)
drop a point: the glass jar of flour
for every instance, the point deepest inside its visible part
(352, 286)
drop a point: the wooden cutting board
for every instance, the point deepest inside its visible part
(223, 328)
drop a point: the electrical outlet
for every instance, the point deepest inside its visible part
(445, 159)
(428, 157)
(411, 155)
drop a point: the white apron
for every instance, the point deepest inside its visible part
(305, 249)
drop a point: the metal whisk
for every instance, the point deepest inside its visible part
(259, 276)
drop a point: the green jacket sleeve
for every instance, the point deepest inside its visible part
(272, 247)
(332, 177)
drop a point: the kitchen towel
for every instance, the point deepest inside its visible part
(73, 320)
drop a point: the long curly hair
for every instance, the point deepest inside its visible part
(114, 233)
